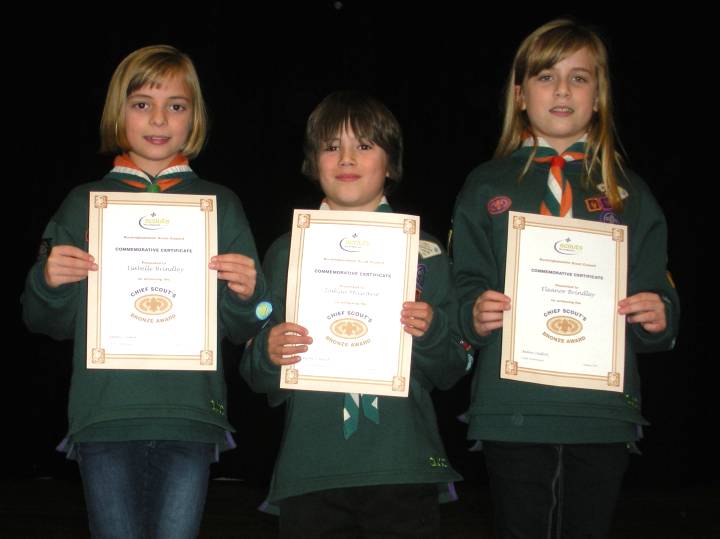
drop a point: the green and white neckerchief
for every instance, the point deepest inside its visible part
(355, 403)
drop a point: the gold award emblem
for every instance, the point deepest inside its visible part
(348, 328)
(153, 304)
(564, 325)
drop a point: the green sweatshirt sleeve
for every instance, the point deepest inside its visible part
(238, 319)
(648, 271)
(53, 311)
(439, 359)
(475, 266)
(255, 367)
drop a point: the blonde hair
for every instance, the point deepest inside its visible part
(150, 66)
(542, 49)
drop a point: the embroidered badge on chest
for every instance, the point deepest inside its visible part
(609, 217)
(596, 204)
(498, 205)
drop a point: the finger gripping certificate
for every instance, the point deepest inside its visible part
(152, 304)
(565, 278)
(348, 276)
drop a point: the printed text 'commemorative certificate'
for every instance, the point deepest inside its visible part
(348, 275)
(565, 278)
(152, 302)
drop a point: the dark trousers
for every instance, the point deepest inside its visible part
(554, 491)
(369, 512)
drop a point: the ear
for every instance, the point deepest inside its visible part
(520, 97)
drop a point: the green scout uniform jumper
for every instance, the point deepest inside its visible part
(405, 446)
(510, 411)
(122, 405)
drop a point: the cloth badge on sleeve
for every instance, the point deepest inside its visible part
(498, 205)
(420, 282)
(44, 248)
(428, 249)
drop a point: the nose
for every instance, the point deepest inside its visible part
(347, 155)
(158, 116)
(562, 88)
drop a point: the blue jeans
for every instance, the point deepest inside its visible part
(145, 489)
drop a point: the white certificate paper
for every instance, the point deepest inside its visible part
(152, 303)
(565, 278)
(348, 276)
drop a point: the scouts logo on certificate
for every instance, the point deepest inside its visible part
(153, 304)
(348, 328)
(153, 222)
(354, 244)
(567, 247)
(564, 325)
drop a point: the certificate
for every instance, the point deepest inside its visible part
(348, 276)
(152, 304)
(565, 277)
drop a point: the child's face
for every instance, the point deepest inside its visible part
(157, 123)
(561, 100)
(352, 172)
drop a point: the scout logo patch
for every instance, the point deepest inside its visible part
(498, 205)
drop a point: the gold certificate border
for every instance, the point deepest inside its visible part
(509, 368)
(97, 356)
(291, 375)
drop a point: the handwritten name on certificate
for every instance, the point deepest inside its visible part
(152, 304)
(565, 278)
(348, 276)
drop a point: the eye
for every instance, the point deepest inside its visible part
(330, 147)
(544, 77)
(580, 78)
(140, 105)
(365, 146)
(177, 107)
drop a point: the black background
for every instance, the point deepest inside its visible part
(263, 69)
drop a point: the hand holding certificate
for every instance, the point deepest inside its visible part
(565, 278)
(152, 304)
(348, 277)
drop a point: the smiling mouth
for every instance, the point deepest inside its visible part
(156, 139)
(562, 110)
(347, 177)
